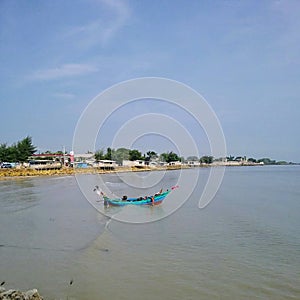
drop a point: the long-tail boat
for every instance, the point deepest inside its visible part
(147, 200)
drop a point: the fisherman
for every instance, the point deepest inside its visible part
(161, 190)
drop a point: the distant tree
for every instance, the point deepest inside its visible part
(282, 162)
(238, 158)
(24, 149)
(99, 155)
(173, 157)
(151, 155)
(12, 153)
(169, 156)
(3, 152)
(267, 161)
(206, 159)
(19, 152)
(135, 155)
(120, 154)
(163, 157)
(108, 154)
(230, 158)
(252, 160)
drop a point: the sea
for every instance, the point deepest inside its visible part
(245, 244)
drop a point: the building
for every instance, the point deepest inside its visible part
(134, 163)
(105, 164)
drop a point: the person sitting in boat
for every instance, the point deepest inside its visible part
(124, 198)
(159, 192)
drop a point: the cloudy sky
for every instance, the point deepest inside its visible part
(243, 57)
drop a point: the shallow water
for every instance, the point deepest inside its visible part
(244, 245)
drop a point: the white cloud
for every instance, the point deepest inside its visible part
(100, 30)
(122, 14)
(64, 71)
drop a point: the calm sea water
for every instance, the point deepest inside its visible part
(244, 245)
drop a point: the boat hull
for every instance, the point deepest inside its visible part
(153, 200)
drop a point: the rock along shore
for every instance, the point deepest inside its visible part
(18, 295)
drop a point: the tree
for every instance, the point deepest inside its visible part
(108, 154)
(120, 154)
(169, 156)
(206, 159)
(151, 155)
(173, 157)
(252, 160)
(3, 152)
(17, 152)
(163, 157)
(135, 155)
(230, 158)
(99, 155)
(267, 161)
(24, 149)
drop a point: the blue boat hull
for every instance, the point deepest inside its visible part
(152, 200)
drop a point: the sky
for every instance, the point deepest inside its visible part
(243, 57)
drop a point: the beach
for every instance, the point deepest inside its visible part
(26, 172)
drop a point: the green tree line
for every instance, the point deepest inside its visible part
(121, 154)
(22, 150)
(17, 152)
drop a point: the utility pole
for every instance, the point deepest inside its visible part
(64, 150)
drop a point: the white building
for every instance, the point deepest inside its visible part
(134, 163)
(105, 164)
(85, 157)
(193, 163)
(175, 163)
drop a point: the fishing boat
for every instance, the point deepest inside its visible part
(156, 199)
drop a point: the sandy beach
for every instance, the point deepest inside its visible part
(20, 173)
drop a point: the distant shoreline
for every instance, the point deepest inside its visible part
(27, 173)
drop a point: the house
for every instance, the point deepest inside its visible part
(193, 163)
(44, 164)
(175, 163)
(83, 160)
(85, 157)
(134, 163)
(105, 164)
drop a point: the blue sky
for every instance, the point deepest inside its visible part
(242, 56)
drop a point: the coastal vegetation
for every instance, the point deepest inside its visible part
(15, 160)
(121, 154)
(17, 152)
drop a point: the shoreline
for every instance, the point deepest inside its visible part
(29, 173)
(6, 174)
